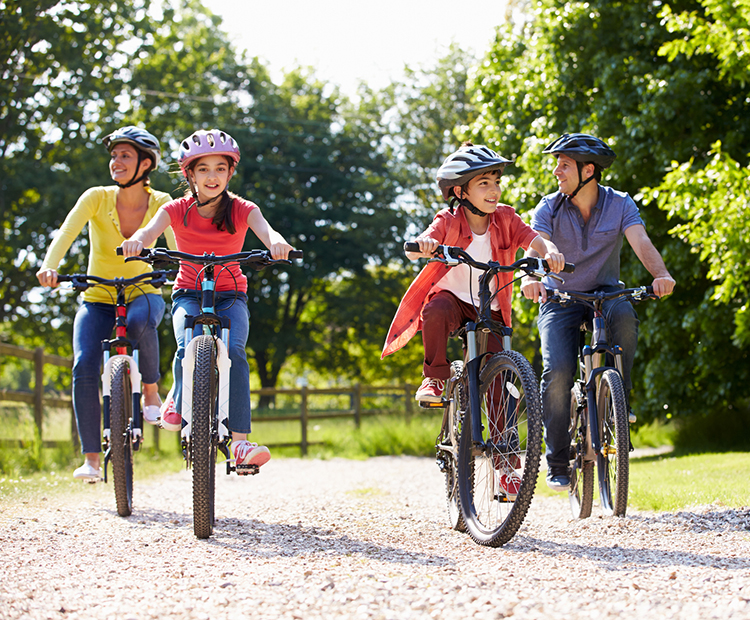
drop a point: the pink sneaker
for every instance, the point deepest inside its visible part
(510, 483)
(170, 419)
(246, 453)
(431, 390)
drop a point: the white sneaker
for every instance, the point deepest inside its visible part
(88, 472)
(152, 414)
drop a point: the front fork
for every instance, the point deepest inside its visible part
(135, 427)
(594, 441)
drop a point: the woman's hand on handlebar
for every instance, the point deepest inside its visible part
(427, 247)
(47, 277)
(131, 247)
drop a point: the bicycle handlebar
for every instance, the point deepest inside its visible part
(83, 281)
(638, 293)
(453, 255)
(155, 255)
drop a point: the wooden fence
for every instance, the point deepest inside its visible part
(357, 394)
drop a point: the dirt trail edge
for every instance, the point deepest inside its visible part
(336, 539)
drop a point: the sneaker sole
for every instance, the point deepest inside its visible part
(257, 457)
(170, 427)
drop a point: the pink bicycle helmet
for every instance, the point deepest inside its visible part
(207, 142)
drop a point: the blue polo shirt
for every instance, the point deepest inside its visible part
(593, 247)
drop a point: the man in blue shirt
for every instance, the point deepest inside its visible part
(587, 222)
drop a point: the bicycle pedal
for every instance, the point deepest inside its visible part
(430, 405)
(247, 470)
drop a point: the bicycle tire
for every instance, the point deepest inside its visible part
(613, 461)
(581, 492)
(454, 419)
(121, 446)
(204, 436)
(511, 442)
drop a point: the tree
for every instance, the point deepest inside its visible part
(569, 69)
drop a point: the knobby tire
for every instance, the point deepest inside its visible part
(511, 442)
(613, 462)
(121, 446)
(204, 436)
(454, 419)
(581, 493)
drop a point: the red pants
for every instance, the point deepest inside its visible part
(442, 314)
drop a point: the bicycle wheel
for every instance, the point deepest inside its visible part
(204, 435)
(497, 476)
(121, 447)
(448, 444)
(581, 493)
(613, 461)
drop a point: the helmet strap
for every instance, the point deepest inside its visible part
(133, 181)
(581, 182)
(466, 204)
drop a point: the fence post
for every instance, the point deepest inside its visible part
(303, 421)
(38, 388)
(408, 403)
(357, 404)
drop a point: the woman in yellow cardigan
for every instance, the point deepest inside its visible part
(113, 214)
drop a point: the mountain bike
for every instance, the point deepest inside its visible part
(599, 415)
(122, 418)
(490, 439)
(205, 371)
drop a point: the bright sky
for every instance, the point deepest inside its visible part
(349, 40)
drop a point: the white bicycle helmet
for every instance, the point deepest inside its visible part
(145, 144)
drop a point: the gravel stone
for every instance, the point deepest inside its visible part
(309, 539)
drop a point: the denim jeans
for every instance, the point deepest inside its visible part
(559, 330)
(94, 322)
(186, 303)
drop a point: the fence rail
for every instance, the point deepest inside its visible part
(357, 394)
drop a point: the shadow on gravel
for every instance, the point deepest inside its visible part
(618, 558)
(254, 538)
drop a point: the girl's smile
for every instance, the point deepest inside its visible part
(211, 176)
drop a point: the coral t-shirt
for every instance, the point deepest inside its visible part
(202, 236)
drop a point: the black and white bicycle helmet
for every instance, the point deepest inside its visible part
(584, 149)
(462, 166)
(145, 144)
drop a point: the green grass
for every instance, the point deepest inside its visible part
(663, 483)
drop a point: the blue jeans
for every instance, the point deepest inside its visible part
(186, 303)
(559, 330)
(94, 322)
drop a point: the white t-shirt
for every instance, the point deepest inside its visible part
(459, 278)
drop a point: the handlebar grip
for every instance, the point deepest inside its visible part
(650, 290)
(569, 268)
(295, 254)
(144, 251)
(411, 246)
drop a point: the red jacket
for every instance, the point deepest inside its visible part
(508, 232)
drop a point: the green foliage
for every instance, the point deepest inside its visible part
(711, 202)
(567, 69)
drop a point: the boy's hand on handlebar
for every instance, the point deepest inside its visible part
(533, 289)
(47, 277)
(663, 286)
(555, 261)
(427, 247)
(131, 247)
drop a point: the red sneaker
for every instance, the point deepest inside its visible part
(431, 390)
(510, 483)
(170, 419)
(246, 453)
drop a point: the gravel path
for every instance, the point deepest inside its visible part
(341, 539)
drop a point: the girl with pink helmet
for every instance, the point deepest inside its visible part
(210, 218)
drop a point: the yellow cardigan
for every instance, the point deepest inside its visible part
(97, 208)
